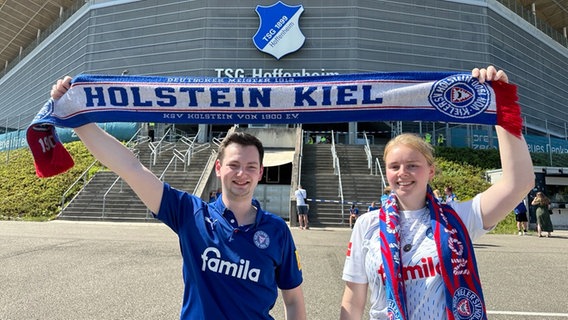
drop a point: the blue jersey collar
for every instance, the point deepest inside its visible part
(228, 214)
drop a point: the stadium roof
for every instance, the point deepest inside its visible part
(553, 12)
(22, 21)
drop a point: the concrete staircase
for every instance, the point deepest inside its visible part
(121, 204)
(322, 184)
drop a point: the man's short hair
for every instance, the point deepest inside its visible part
(244, 139)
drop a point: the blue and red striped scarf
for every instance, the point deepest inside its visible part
(464, 297)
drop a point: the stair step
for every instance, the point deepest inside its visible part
(121, 202)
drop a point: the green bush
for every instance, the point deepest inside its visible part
(464, 170)
(25, 196)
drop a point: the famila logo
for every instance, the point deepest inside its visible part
(212, 261)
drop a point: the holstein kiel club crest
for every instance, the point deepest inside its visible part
(279, 31)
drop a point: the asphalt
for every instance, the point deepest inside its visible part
(98, 270)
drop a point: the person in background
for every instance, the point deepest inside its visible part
(212, 196)
(415, 256)
(151, 131)
(428, 138)
(373, 207)
(450, 195)
(385, 196)
(353, 215)
(441, 140)
(438, 196)
(521, 218)
(543, 222)
(302, 207)
(235, 255)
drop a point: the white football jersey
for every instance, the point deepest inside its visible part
(424, 284)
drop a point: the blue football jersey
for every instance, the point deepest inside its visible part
(229, 271)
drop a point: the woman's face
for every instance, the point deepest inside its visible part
(408, 173)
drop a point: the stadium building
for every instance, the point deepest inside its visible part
(40, 43)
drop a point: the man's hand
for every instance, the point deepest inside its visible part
(61, 87)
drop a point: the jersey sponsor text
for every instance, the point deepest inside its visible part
(214, 263)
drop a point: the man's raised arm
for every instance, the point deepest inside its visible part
(117, 157)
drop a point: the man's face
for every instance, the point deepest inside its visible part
(240, 171)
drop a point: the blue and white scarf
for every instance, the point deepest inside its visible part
(463, 293)
(400, 96)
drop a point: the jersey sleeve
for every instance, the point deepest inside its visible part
(177, 208)
(354, 267)
(470, 214)
(289, 272)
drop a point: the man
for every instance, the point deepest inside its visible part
(353, 215)
(301, 207)
(235, 255)
(521, 218)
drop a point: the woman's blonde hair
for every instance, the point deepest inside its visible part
(412, 141)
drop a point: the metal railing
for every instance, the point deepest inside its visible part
(374, 166)
(212, 157)
(368, 153)
(131, 144)
(337, 172)
(83, 177)
(137, 154)
(160, 146)
(103, 211)
(379, 169)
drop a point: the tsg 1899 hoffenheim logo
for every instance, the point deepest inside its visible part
(460, 96)
(279, 31)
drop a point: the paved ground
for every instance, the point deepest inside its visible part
(77, 270)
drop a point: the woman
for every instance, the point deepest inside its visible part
(438, 195)
(450, 195)
(543, 223)
(416, 255)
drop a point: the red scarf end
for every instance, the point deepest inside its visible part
(508, 109)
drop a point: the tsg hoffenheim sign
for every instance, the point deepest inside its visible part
(279, 31)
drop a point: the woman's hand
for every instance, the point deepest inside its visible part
(489, 74)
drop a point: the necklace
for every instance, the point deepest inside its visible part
(414, 222)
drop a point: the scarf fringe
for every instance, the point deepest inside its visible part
(508, 109)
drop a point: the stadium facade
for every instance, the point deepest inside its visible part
(215, 38)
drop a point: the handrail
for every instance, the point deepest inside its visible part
(337, 171)
(156, 147)
(106, 193)
(368, 153)
(83, 177)
(135, 135)
(86, 171)
(380, 169)
(216, 141)
(136, 154)
(212, 157)
(161, 177)
(300, 155)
